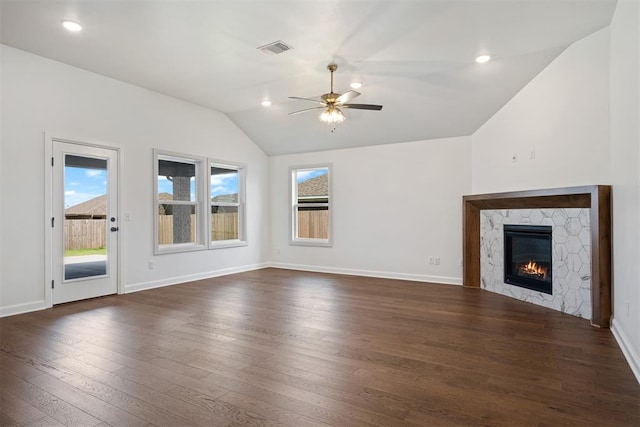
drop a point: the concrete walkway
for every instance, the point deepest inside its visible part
(84, 258)
(77, 267)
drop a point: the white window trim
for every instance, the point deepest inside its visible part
(242, 179)
(293, 205)
(200, 206)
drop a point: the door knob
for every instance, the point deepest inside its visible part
(114, 228)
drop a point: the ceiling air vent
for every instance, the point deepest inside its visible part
(275, 48)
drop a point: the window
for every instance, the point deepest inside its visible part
(178, 203)
(226, 197)
(183, 198)
(310, 201)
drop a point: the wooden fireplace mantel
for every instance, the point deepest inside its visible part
(595, 197)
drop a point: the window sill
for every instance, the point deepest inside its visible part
(221, 244)
(312, 242)
(179, 248)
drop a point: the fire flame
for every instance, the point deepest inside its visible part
(533, 269)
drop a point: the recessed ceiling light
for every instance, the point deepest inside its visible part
(356, 85)
(72, 26)
(483, 59)
(265, 103)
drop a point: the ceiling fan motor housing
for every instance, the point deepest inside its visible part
(330, 98)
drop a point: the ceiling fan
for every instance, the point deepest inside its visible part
(333, 102)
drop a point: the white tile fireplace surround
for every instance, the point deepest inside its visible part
(571, 257)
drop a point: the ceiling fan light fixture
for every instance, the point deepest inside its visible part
(332, 115)
(483, 59)
(72, 26)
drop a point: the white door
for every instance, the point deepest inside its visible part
(85, 222)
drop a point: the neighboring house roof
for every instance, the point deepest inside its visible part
(163, 197)
(97, 207)
(226, 198)
(314, 187)
(94, 208)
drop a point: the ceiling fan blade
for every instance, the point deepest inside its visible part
(308, 99)
(306, 109)
(362, 106)
(347, 96)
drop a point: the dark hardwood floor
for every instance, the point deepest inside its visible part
(278, 347)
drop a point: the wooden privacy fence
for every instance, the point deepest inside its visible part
(91, 233)
(313, 224)
(84, 233)
(224, 226)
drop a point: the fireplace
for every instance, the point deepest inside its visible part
(527, 257)
(594, 198)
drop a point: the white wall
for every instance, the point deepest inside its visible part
(393, 206)
(2, 196)
(562, 114)
(625, 177)
(40, 95)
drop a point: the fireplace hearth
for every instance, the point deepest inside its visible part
(527, 257)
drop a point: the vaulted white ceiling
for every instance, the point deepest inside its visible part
(414, 57)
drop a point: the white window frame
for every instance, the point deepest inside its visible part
(293, 204)
(199, 205)
(241, 204)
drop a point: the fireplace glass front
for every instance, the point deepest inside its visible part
(527, 257)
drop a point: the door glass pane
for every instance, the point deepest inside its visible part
(85, 222)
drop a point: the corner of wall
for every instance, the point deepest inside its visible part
(624, 63)
(633, 358)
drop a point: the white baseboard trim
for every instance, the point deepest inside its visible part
(137, 287)
(12, 310)
(370, 273)
(633, 358)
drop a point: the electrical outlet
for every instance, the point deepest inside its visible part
(152, 264)
(436, 260)
(431, 260)
(127, 216)
(628, 307)
(532, 154)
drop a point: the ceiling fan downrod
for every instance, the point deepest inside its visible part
(332, 68)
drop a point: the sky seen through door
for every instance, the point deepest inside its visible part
(82, 184)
